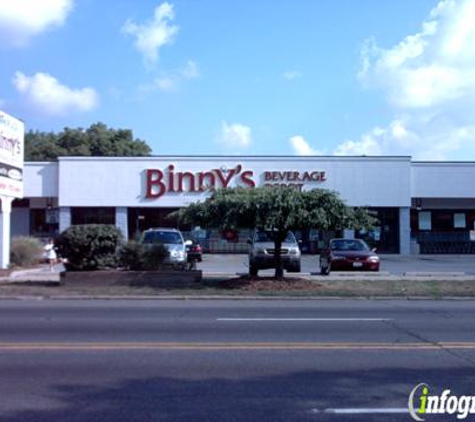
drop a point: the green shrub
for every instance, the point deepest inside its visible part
(131, 256)
(90, 246)
(154, 255)
(25, 251)
(137, 257)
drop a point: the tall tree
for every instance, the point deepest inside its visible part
(278, 209)
(96, 141)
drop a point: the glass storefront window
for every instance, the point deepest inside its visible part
(85, 215)
(425, 220)
(459, 220)
(41, 223)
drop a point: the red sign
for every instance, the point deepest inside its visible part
(158, 182)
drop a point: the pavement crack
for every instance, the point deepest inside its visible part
(450, 352)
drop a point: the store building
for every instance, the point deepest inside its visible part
(425, 205)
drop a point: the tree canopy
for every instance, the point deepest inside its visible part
(97, 141)
(278, 209)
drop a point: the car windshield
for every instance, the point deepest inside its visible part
(266, 236)
(348, 245)
(165, 237)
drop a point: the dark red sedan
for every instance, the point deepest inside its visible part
(348, 254)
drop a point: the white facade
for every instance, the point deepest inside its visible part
(385, 183)
(85, 182)
(443, 180)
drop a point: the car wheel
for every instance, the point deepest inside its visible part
(253, 270)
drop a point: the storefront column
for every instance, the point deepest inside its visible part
(121, 221)
(64, 218)
(5, 231)
(404, 230)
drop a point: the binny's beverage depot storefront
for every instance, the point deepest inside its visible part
(426, 207)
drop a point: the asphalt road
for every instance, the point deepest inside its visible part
(394, 264)
(295, 360)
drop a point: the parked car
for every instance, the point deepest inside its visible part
(194, 251)
(261, 252)
(172, 239)
(348, 254)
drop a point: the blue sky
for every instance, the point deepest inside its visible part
(273, 77)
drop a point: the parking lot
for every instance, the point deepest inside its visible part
(394, 264)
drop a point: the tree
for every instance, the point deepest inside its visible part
(278, 209)
(96, 141)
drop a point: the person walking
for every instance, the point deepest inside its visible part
(51, 255)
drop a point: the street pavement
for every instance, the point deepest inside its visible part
(232, 264)
(394, 264)
(223, 360)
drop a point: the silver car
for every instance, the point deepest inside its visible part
(261, 252)
(172, 239)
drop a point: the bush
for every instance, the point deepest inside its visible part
(25, 251)
(90, 246)
(137, 257)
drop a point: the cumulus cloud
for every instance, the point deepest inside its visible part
(429, 80)
(171, 81)
(165, 84)
(424, 138)
(431, 67)
(302, 147)
(151, 36)
(20, 20)
(190, 71)
(235, 136)
(49, 96)
(291, 75)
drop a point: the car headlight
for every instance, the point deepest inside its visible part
(294, 251)
(373, 259)
(260, 251)
(337, 257)
(178, 254)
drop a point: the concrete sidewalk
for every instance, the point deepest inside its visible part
(43, 274)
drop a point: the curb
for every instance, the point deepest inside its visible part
(236, 298)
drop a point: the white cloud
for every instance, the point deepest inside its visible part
(423, 137)
(165, 84)
(434, 66)
(302, 147)
(151, 36)
(291, 75)
(235, 136)
(191, 70)
(171, 81)
(20, 20)
(49, 96)
(429, 80)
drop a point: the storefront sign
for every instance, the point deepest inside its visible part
(293, 179)
(159, 182)
(11, 156)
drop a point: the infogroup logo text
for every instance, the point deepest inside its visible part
(421, 403)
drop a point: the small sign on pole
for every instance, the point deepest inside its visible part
(12, 136)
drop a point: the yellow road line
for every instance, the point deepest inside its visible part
(79, 346)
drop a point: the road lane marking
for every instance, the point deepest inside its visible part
(303, 319)
(362, 411)
(80, 346)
